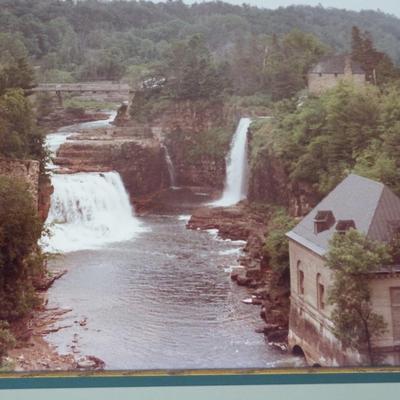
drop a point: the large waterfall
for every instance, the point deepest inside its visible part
(236, 168)
(87, 210)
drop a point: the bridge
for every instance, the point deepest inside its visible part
(93, 87)
(84, 87)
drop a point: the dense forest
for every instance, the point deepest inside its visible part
(90, 40)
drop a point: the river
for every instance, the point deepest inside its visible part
(160, 298)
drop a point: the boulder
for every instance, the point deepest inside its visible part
(90, 362)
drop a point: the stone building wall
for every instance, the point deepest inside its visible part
(318, 84)
(27, 170)
(310, 327)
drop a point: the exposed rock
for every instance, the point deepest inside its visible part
(130, 151)
(90, 362)
(279, 335)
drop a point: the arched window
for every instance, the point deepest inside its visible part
(300, 279)
(320, 293)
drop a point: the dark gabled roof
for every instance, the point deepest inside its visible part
(336, 65)
(373, 207)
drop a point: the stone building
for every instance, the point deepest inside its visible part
(371, 208)
(330, 70)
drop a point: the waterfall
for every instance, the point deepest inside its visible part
(170, 167)
(236, 168)
(89, 210)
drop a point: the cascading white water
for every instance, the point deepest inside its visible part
(87, 210)
(236, 168)
(170, 166)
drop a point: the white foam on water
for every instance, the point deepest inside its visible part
(184, 218)
(230, 252)
(89, 210)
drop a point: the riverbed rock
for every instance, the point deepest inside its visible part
(90, 362)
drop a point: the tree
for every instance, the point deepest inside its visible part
(378, 66)
(276, 243)
(352, 257)
(191, 72)
(20, 230)
(288, 60)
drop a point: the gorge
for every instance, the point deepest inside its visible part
(145, 292)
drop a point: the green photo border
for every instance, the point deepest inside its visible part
(143, 379)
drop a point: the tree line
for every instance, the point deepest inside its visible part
(90, 40)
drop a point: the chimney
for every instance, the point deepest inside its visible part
(323, 221)
(343, 225)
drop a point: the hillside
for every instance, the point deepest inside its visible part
(110, 40)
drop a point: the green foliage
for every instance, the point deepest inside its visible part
(212, 144)
(276, 244)
(102, 39)
(348, 128)
(44, 104)
(288, 60)
(351, 257)
(7, 340)
(20, 230)
(186, 73)
(89, 105)
(378, 66)
(191, 73)
(19, 135)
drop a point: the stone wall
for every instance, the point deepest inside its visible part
(26, 170)
(319, 84)
(310, 326)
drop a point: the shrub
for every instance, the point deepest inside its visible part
(20, 230)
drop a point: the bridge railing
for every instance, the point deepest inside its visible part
(82, 87)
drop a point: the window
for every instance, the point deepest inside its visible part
(300, 279)
(320, 293)
(395, 303)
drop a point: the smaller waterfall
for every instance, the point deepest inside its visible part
(87, 211)
(170, 166)
(236, 168)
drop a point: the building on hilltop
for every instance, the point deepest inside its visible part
(373, 209)
(332, 69)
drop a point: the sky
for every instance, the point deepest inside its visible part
(387, 6)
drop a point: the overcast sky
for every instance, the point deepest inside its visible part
(388, 6)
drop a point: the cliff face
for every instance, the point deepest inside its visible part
(139, 159)
(197, 135)
(187, 127)
(270, 183)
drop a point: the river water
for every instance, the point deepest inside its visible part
(160, 299)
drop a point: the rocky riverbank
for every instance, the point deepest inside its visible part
(33, 352)
(243, 222)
